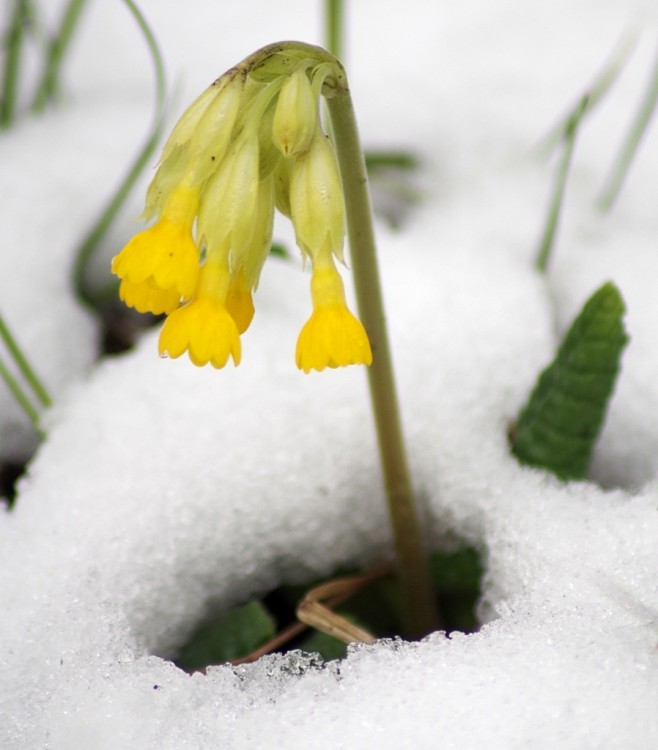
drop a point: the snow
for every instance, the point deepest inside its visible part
(163, 491)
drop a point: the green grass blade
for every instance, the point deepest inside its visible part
(19, 394)
(98, 231)
(559, 425)
(13, 43)
(57, 49)
(595, 92)
(632, 142)
(405, 161)
(555, 208)
(23, 365)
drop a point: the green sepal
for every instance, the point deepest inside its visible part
(558, 427)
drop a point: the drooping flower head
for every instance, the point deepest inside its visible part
(251, 142)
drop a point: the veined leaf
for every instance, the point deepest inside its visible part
(560, 423)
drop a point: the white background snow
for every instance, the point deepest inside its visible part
(162, 490)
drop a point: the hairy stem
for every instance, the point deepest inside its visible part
(413, 567)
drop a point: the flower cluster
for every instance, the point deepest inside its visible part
(252, 142)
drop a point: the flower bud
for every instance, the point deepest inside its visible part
(295, 115)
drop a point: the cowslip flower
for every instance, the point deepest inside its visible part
(204, 327)
(332, 336)
(160, 265)
(251, 142)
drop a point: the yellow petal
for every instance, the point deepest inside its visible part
(332, 337)
(145, 297)
(239, 303)
(162, 257)
(204, 329)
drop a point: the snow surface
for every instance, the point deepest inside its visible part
(163, 490)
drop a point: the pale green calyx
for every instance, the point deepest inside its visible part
(197, 143)
(250, 258)
(212, 136)
(317, 207)
(229, 202)
(295, 114)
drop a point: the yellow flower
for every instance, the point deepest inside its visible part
(160, 265)
(332, 336)
(251, 143)
(204, 327)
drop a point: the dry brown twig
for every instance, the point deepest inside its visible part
(316, 610)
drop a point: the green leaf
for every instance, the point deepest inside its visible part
(457, 582)
(392, 178)
(279, 250)
(456, 571)
(405, 161)
(236, 633)
(560, 423)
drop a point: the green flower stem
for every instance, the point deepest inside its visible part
(413, 566)
(23, 365)
(18, 393)
(97, 232)
(632, 142)
(56, 50)
(334, 26)
(548, 237)
(13, 42)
